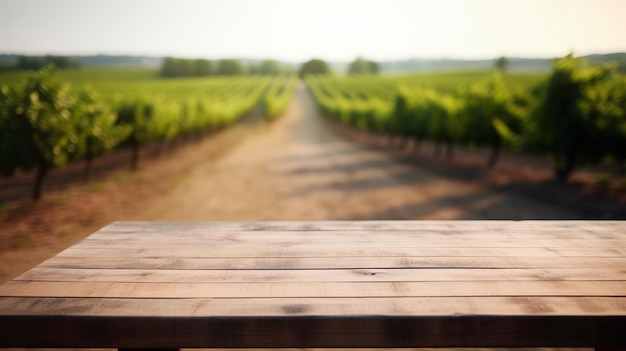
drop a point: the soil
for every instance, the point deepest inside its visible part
(298, 167)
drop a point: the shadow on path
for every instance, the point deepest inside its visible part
(491, 204)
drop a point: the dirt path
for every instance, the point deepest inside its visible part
(299, 169)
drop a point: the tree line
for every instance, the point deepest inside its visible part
(359, 66)
(181, 67)
(34, 63)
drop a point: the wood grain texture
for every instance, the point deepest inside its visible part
(284, 242)
(327, 284)
(286, 263)
(368, 226)
(317, 275)
(293, 307)
(308, 290)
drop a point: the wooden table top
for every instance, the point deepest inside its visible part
(327, 284)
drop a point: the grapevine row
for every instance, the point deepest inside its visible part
(278, 96)
(44, 124)
(577, 114)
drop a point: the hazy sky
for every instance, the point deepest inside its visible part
(297, 30)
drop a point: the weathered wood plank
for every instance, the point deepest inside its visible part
(368, 226)
(179, 235)
(337, 251)
(278, 263)
(276, 307)
(318, 276)
(394, 242)
(248, 250)
(306, 290)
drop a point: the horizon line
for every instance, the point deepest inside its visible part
(438, 58)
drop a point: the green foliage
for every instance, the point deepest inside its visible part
(96, 127)
(8, 126)
(491, 116)
(5, 66)
(229, 67)
(428, 115)
(501, 64)
(577, 114)
(576, 109)
(608, 107)
(173, 67)
(38, 126)
(362, 66)
(405, 116)
(201, 67)
(270, 67)
(178, 67)
(314, 66)
(104, 78)
(443, 111)
(278, 96)
(34, 63)
(354, 100)
(41, 119)
(137, 115)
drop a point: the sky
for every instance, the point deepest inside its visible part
(298, 30)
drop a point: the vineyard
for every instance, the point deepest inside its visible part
(45, 123)
(577, 113)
